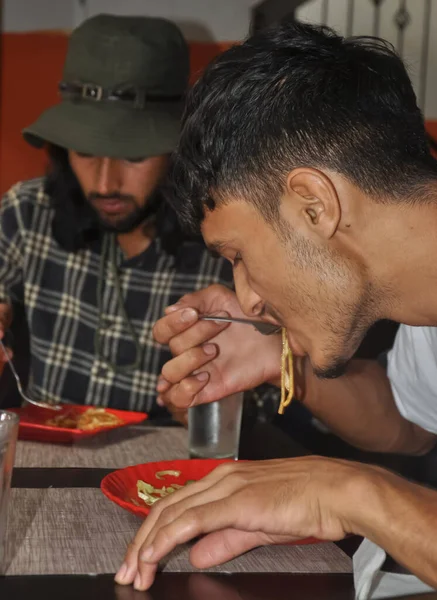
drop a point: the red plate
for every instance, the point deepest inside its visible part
(33, 423)
(121, 486)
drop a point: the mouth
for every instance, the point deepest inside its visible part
(295, 347)
(110, 206)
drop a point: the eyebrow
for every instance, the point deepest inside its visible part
(216, 247)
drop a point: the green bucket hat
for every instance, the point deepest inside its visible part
(122, 89)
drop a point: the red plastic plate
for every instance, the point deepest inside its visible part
(33, 423)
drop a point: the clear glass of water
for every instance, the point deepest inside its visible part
(214, 428)
(8, 437)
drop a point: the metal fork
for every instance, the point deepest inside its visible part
(20, 388)
(261, 326)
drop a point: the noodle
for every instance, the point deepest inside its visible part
(92, 418)
(287, 375)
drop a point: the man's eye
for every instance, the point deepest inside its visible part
(237, 259)
(84, 155)
(139, 159)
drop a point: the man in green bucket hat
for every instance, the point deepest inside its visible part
(92, 251)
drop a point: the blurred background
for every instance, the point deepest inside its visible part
(34, 41)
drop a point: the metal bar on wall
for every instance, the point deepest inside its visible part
(325, 12)
(400, 20)
(376, 16)
(424, 54)
(350, 18)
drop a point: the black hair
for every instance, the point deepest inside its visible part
(299, 95)
(75, 225)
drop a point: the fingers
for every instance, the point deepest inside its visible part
(182, 330)
(9, 354)
(184, 394)
(198, 334)
(169, 326)
(182, 366)
(190, 524)
(128, 572)
(221, 546)
(129, 569)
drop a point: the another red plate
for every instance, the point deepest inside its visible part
(33, 423)
(121, 486)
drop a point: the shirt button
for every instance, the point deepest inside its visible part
(101, 372)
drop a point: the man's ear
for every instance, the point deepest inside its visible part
(311, 203)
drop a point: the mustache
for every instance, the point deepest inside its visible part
(110, 196)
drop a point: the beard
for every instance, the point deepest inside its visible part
(130, 221)
(338, 369)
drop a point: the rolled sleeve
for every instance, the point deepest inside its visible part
(412, 370)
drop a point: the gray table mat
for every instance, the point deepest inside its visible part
(66, 531)
(111, 450)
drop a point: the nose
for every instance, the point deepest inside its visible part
(251, 304)
(107, 176)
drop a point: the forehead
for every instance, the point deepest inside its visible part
(233, 220)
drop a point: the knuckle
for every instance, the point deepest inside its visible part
(175, 346)
(188, 388)
(192, 517)
(168, 374)
(168, 514)
(158, 332)
(225, 469)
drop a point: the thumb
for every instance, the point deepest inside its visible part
(220, 546)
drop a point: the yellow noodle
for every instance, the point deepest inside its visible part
(287, 374)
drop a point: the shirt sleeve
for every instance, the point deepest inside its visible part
(412, 370)
(11, 249)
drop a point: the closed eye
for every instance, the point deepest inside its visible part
(237, 259)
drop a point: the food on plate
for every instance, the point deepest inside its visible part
(150, 494)
(287, 375)
(92, 418)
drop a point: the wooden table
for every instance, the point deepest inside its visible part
(62, 529)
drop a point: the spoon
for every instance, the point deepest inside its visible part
(261, 326)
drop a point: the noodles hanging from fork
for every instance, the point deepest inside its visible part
(287, 374)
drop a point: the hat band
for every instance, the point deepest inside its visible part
(137, 97)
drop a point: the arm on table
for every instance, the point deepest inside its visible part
(243, 505)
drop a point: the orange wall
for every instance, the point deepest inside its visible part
(31, 67)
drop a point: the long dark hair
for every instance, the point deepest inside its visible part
(75, 225)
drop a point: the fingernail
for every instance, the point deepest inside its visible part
(172, 308)
(202, 376)
(147, 554)
(121, 573)
(137, 582)
(161, 384)
(209, 349)
(188, 315)
(160, 401)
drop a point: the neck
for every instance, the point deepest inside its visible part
(138, 240)
(404, 261)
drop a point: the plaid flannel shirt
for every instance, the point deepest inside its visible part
(59, 292)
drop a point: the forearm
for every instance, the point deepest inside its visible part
(401, 517)
(360, 408)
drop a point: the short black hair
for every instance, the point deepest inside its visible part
(299, 95)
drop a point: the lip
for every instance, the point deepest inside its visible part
(295, 348)
(111, 206)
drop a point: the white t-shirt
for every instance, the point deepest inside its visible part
(412, 370)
